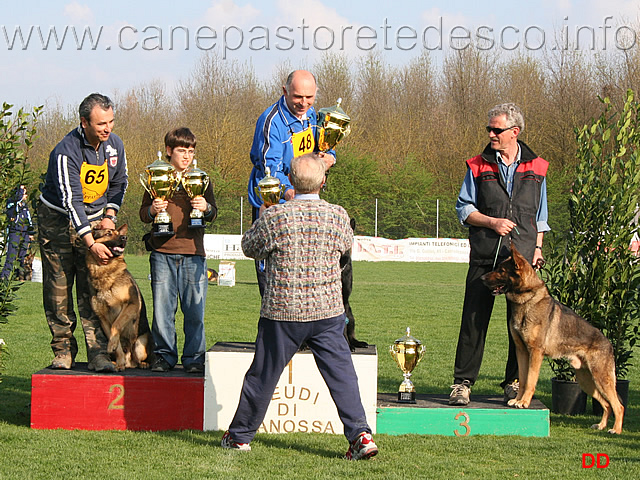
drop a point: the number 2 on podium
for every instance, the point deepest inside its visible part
(114, 405)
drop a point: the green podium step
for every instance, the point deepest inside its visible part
(485, 415)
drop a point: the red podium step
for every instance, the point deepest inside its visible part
(131, 400)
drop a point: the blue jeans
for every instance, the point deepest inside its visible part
(184, 277)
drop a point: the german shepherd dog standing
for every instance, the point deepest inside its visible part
(541, 326)
(117, 301)
(346, 268)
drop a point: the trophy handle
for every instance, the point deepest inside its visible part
(143, 182)
(174, 186)
(421, 353)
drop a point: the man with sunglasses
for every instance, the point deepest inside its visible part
(503, 201)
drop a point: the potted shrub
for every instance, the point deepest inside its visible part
(17, 132)
(592, 268)
(567, 397)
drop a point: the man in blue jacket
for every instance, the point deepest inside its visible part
(285, 130)
(84, 187)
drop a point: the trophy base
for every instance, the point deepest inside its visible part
(196, 223)
(163, 230)
(406, 397)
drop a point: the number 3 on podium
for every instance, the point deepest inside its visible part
(464, 423)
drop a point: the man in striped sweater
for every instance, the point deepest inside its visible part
(301, 242)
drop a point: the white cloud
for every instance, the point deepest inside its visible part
(78, 13)
(226, 12)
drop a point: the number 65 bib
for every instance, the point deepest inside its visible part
(94, 180)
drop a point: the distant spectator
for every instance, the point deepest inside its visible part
(19, 235)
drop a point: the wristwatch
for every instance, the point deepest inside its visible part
(113, 218)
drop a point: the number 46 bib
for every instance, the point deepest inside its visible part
(94, 180)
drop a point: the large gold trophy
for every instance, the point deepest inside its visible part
(160, 180)
(195, 183)
(333, 126)
(269, 189)
(407, 352)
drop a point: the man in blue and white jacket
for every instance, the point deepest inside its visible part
(84, 187)
(285, 130)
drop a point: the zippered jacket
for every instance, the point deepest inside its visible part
(273, 144)
(81, 181)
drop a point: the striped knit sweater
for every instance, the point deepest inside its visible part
(301, 242)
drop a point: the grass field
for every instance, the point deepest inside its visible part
(387, 298)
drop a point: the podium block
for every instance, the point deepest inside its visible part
(301, 401)
(131, 400)
(485, 415)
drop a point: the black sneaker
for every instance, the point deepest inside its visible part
(161, 365)
(194, 368)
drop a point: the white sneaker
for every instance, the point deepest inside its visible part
(227, 442)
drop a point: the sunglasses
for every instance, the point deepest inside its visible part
(498, 131)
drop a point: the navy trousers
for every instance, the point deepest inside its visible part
(276, 343)
(476, 313)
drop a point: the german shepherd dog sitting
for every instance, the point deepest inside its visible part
(117, 301)
(541, 326)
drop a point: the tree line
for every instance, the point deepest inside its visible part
(413, 126)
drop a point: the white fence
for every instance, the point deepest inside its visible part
(373, 249)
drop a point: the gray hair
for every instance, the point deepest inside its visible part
(307, 173)
(91, 101)
(514, 115)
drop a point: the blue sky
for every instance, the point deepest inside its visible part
(137, 42)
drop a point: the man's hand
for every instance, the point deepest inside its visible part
(329, 160)
(289, 194)
(502, 226)
(100, 251)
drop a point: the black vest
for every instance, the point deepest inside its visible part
(493, 200)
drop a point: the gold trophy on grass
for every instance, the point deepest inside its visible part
(160, 180)
(195, 183)
(407, 352)
(333, 126)
(269, 189)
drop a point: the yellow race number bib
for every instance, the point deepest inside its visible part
(94, 180)
(303, 142)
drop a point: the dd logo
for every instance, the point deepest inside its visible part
(600, 460)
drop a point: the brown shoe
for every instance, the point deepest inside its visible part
(460, 393)
(101, 363)
(63, 361)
